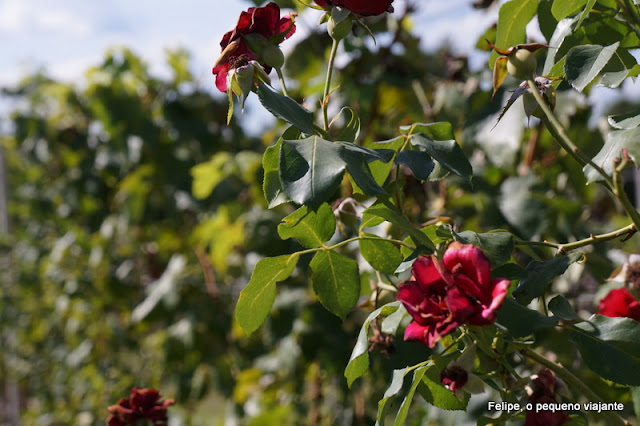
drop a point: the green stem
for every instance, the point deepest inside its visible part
(557, 130)
(327, 83)
(576, 383)
(282, 84)
(350, 240)
(627, 231)
(619, 192)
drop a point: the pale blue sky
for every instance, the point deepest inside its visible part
(68, 36)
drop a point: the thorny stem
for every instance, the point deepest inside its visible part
(557, 130)
(576, 383)
(327, 84)
(625, 232)
(282, 84)
(619, 192)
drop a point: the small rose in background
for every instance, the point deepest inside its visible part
(620, 303)
(360, 7)
(142, 404)
(543, 390)
(441, 296)
(457, 376)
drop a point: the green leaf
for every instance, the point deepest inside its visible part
(336, 281)
(310, 169)
(446, 152)
(540, 275)
(522, 321)
(352, 129)
(440, 131)
(584, 63)
(381, 254)
(359, 360)
(512, 23)
(379, 169)
(386, 210)
(358, 168)
(401, 417)
(285, 108)
(626, 121)
(257, 297)
(520, 203)
(511, 271)
(585, 12)
(419, 162)
(563, 8)
(616, 141)
(310, 227)
(391, 323)
(562, 309)
(610, 347)
(271, 185)
(561, 32)
(496, 245)
(394, 388)
(436, 394)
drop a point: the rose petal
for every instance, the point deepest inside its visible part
(426, 274)
(471, 259)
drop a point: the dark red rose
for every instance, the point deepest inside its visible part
(471, 272)
(141, 404)
(541, 391)
(454, 377)
(445, 295)
(620, 303)
(264, 21)
(360, 7)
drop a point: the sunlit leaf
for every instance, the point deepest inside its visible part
(257, 297)
(310, 227)
(584, 63)
(336, 281)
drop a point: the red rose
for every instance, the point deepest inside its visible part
(543, 391)
(361, 7)
(444, 296)
(264, 21)
(454, 378)
(620, 303)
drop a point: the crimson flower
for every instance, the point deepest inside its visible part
(141, 404)
(454, 378)
(620, 303)
(264, 21)
(441, 296)
(543, 391)
(361, 7)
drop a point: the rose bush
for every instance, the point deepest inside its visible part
(361, 7)
(264, 21)
(443, 296)
(620, 303)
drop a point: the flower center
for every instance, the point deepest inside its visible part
(239, 61)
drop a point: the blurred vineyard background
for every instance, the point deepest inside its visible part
(136, 217)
